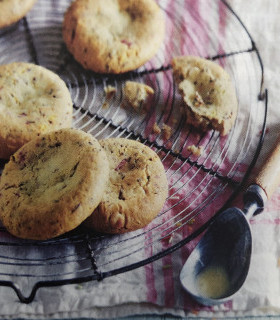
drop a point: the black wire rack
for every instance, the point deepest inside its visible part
(199, 185)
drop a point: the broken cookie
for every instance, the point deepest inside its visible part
(208, 93)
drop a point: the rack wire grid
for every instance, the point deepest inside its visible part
(199, 185)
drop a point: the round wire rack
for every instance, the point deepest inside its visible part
(200, 184)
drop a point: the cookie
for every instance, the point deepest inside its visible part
(208, 93)
(52, 184)
(13, 10)
(136, 191)
(33, 101)
(136, 94)
(113, 36)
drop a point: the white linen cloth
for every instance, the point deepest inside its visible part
(128, 294)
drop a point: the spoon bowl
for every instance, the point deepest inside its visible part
(219, 264)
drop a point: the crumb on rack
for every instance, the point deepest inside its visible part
(136, 94)
(191, 221)
(174, 121)
(197, 151)
(110, 91)
(156, 128)
(105, 105)
(166, 131)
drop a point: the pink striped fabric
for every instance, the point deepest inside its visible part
(162, 287)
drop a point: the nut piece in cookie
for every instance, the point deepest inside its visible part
(136, 191)
(33, 101)
(52, 184)
(113, 36)
(208, 93)
(136, 94)
(12, 11)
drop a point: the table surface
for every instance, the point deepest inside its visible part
(264, 42)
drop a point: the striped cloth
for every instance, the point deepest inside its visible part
(154, 288)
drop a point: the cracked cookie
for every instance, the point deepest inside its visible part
(13, 10)
(136, 191)
(52, 184)
(33, 101)
(209, 96)
(113, 36)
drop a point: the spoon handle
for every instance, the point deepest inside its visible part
(269, 176)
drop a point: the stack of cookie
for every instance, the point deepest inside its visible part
(60, 179)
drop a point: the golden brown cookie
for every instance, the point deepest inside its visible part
(208, 93)
(12, 11)
(136, 191)
(113, 36)
(52, 184)
(33, 101)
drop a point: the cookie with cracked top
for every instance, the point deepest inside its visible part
(52, 184)
(13, 10)
(208, 93)
(33, 101)
(136, 191)
(113, 36)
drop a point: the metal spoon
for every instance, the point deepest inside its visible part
(218, 266)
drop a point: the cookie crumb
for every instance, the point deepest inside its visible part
(191, 221)
(105, 105)
(136, 94)
(166, 131)
(110, 91)
(196, 151)
(174, 121)
(156, 128)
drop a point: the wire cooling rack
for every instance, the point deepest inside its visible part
(199, 185)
